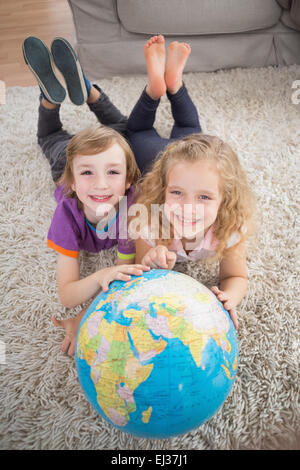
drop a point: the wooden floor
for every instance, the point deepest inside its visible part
(21, 18)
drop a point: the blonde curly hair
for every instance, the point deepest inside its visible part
(236, 210)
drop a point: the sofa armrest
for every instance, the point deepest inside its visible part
(293, 7)
(285, 4)
(95, 18)
(295, 12)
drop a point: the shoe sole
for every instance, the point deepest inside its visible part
(38, 58)
(67, 62)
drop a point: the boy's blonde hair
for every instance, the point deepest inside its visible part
(90, 141)
(235, 212)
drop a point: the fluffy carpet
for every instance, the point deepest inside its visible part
(41, 403)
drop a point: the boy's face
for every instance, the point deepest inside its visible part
(100, 181)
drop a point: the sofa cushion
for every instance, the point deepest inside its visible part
(194, 17)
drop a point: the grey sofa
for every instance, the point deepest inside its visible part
(110, 34)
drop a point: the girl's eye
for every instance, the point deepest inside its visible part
(203, 197)
(86, 172)
(176, 193)
(113, 172)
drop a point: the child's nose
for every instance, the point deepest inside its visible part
(100, 181)
(190, 204)
(192, 207)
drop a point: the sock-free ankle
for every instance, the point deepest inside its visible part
(45, 97)
(88, 85)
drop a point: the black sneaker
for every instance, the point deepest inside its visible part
(67, 62)
(38, 58)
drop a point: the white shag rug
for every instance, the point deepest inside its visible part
(41, 403)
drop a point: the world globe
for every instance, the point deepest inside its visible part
(156, 356)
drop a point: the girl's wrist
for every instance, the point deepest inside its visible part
(235, 288)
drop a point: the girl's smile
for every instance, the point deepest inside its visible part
(192, 198)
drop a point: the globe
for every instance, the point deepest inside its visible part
(156, 356)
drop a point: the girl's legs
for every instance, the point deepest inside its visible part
(185, 115)
(146, 143)
(184, 112)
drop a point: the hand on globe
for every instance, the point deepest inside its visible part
(226, 300)
(121, 272)
(71, 326)
(160, 257)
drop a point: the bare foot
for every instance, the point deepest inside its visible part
(155, 54)
(178, 53)
(71, 326)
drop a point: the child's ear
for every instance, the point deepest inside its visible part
(128, 184)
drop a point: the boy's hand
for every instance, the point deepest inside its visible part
(121, 272)
(159, 257)
(228, 304)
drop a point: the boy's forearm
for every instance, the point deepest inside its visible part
(235, 287)
(77, 292)
(120, 261)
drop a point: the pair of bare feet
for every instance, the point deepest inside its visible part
(165, 73)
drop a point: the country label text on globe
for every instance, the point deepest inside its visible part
(157, 356)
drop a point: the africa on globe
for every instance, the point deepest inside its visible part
(156, 356)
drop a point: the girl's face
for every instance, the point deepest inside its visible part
(193, 197)
(100, 181)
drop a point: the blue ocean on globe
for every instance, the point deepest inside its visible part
(156, 356)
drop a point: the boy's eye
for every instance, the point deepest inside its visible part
(113, 172)
(203, 197)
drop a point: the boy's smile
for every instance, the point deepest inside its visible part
(100, 181)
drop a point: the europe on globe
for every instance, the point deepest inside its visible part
(156, 356)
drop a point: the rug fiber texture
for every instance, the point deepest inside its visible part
(42, 405)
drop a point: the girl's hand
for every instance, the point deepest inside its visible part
(122, 272)
(159, 257)
(228, 304)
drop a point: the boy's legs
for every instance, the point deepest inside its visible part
(105, 111)
(52, 139)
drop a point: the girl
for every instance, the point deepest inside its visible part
(206, 200)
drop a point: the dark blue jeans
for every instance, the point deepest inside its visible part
(145, 141)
